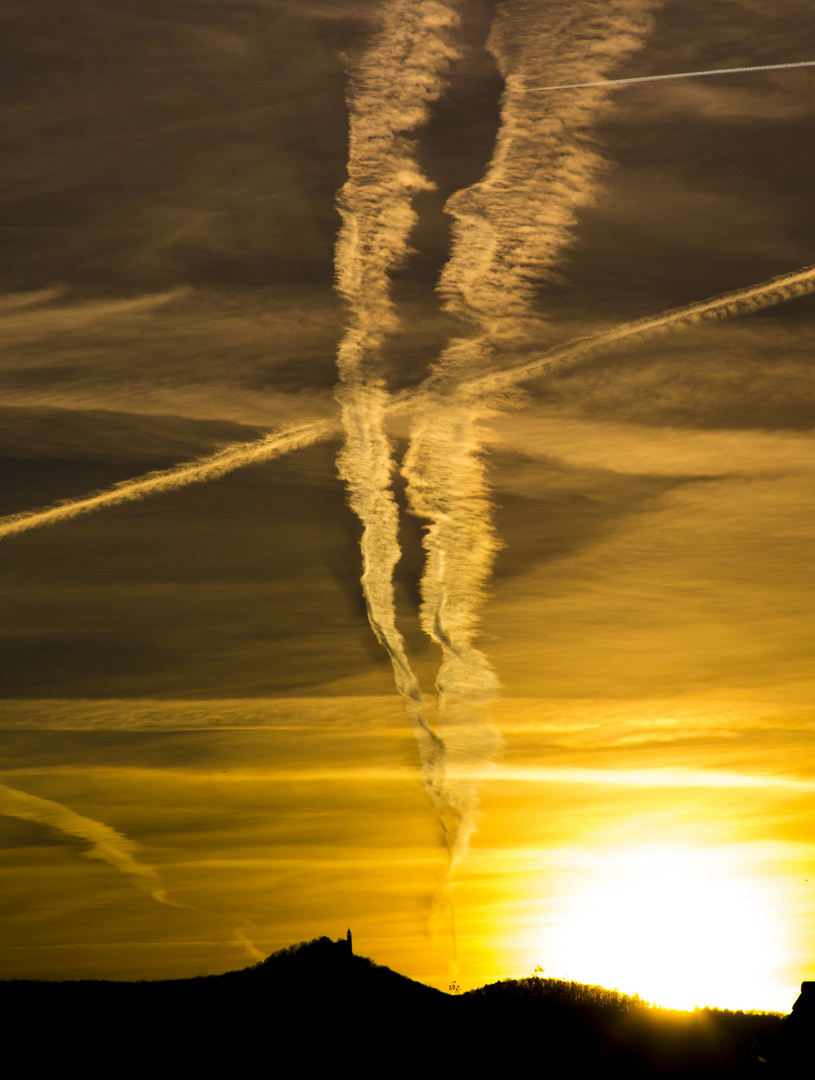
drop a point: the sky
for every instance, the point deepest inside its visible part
(467, 600)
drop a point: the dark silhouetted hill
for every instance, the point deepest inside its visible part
(316, 1005)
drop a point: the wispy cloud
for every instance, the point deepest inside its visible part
(510, 228)
(31, 316)
(106, 843)
(658, 451)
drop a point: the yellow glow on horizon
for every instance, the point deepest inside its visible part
(680, 926)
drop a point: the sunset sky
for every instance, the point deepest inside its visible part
(591, 748)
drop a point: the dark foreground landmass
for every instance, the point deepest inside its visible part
(316, 1006)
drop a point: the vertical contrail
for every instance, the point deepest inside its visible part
(211, 467)
(400, 74)
(508, 231)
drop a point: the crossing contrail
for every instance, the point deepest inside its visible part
(676, 75)
(777, 290)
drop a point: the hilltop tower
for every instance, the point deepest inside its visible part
(350, 944)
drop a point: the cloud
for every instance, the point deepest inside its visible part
(695, 590)
(508, 230)
(739, 302)
(413, 39)
(639, 449)
(19, 323)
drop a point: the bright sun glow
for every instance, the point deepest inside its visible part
(681, 927)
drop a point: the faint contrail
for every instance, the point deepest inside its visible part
(741, 301)
(106, 843)
(676, 75)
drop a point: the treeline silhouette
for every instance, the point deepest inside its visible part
(317, 1005)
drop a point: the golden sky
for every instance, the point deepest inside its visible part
(485, 598)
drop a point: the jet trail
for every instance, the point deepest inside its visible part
(676, 75)
(106, 843)
(508, 230)
(465, 388)
(399, 75)
(231, 457)
(740, 302)
(447, 487)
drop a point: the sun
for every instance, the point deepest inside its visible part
(681, 927)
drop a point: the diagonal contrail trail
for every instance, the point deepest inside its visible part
(211, 467)
(777, 290)
(675, 75)
(106, 843)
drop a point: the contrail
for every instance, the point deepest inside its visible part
(508, 230)
(401, 73)
(106, 843)
(676, 75)
(777, 290)
(447, 487)
(231, 457)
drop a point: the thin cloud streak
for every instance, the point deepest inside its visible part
(481, 774)
(211, 467)
(21, 300)
(638, 449)
(107, 844)
(676, 75)
(23, 316)
(667, 777)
